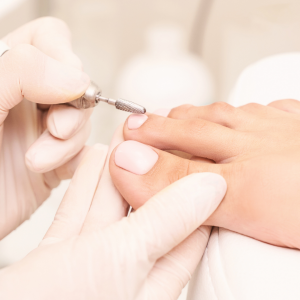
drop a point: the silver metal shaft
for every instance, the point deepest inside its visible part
(123, 104)
(92, 97)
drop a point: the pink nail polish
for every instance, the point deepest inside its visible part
(135, 157)
(135, 121)
(164, 112)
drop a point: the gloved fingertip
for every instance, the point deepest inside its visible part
(30, 161)
(208, 191)
(213, 179)
(41, 155)
(202, 194)
(64, 121)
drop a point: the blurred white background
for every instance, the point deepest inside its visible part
(160, 53)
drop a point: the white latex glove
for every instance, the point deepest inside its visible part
(92, 251)
(42, 68)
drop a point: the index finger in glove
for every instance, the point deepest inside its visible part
(27, 72)
(173, 214)
(52, 37)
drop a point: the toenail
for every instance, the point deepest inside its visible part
(135, 157)
(135, 121)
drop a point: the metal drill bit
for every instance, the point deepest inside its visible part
(123, 104)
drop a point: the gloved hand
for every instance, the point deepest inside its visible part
(92, 252)
(42, 68)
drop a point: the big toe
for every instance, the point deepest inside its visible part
(140, 171)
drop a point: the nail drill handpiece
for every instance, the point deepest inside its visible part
(92, 97)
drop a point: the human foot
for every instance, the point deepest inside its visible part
(255, 148)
